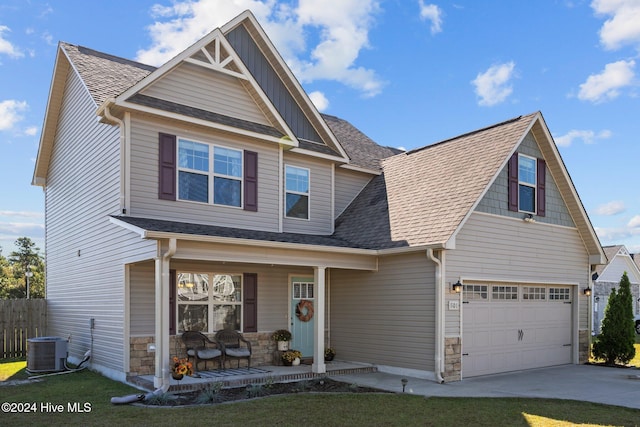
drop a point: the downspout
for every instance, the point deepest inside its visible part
(162, 317)
(123, 153)
(439, 321)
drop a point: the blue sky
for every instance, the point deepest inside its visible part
(408, 73)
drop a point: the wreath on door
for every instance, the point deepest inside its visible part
(304, 310)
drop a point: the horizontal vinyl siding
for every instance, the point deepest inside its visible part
(348, 185)
(386, 317)
(208, 90)
(84, 251)
(500, 249)
(142, 300)
(144, 181)
(320, 213)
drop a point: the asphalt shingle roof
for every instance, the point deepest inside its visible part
(163, 226)
(429, 191)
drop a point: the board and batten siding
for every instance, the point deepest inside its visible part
(495, 248)
(348, 185)
(320, 213)
(386, 317)
(84, 251)
(208, 90)
(144, 179)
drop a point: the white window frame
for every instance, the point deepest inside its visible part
(210, 173)
(307, 194)
(534, 186)
(210, 301)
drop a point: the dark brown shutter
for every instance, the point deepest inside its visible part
(542, 178)
(172, 302)
(513, 182)
(250, 302)
(250, 181)
(167, 175)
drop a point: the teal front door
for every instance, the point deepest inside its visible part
(302, 314)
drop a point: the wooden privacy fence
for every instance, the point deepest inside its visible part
(20, 319)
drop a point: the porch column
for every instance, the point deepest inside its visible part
(319, 366)
(161, 378)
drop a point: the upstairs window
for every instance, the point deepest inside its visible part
(209, 174)
(527, 184)
(296, 192)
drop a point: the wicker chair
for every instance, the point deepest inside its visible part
(200, 348)
(234, 345)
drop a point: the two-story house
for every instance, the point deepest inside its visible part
(210, 193)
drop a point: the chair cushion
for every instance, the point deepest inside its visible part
(209, 353)
(237, 352)
(191, 352)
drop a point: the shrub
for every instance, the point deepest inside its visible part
(615, 342)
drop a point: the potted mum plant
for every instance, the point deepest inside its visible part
(180, 368)
(329, 354)
(291, 357)
(282, 337)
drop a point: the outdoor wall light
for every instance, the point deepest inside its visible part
(457, 287)
(587, 291)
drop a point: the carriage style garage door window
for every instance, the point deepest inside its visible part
(511, 326)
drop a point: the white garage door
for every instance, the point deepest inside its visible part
(508, 327)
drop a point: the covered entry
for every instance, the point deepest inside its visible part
(510, 326)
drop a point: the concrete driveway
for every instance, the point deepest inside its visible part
(611, 386)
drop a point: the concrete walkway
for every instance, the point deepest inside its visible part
(611, 386)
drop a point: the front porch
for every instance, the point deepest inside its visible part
(238, 377)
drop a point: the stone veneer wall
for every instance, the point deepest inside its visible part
(583, 346)
(142, 362)
(452, 359)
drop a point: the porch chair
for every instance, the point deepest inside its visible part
(200, 348)
(234, 346)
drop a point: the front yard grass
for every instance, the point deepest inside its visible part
(74, 390)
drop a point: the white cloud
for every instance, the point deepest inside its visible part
(341, 28)
(493, 86)
(607, 84)
(587, 136)
(611, 208)
(319, 100)
(634, 222)
(6, 47)
(22, 214)
(31, 131)
(431, 12)
(623, 26)
(10, 113)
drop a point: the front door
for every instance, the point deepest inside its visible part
(302, 314)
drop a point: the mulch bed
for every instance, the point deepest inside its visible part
(252, 391)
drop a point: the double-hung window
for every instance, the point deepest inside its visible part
(209, 174)
(297, 192)
(209, 302)
(527, 183)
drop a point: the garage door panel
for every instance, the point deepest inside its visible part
(507, 335)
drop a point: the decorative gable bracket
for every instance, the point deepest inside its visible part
(215, 57)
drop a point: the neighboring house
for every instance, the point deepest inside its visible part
(210, 193)
(607, 277)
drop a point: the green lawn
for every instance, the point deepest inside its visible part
(91, 393)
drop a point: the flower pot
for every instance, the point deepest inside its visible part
(286, 363)
(329, 357)
(283, 345)
(177, 377)
(296, 361)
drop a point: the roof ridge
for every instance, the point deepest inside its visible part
(89, 51)
(473, 132)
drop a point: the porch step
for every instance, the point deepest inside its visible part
(243, 380)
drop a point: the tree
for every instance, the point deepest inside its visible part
(615, 342)
(13, 280)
